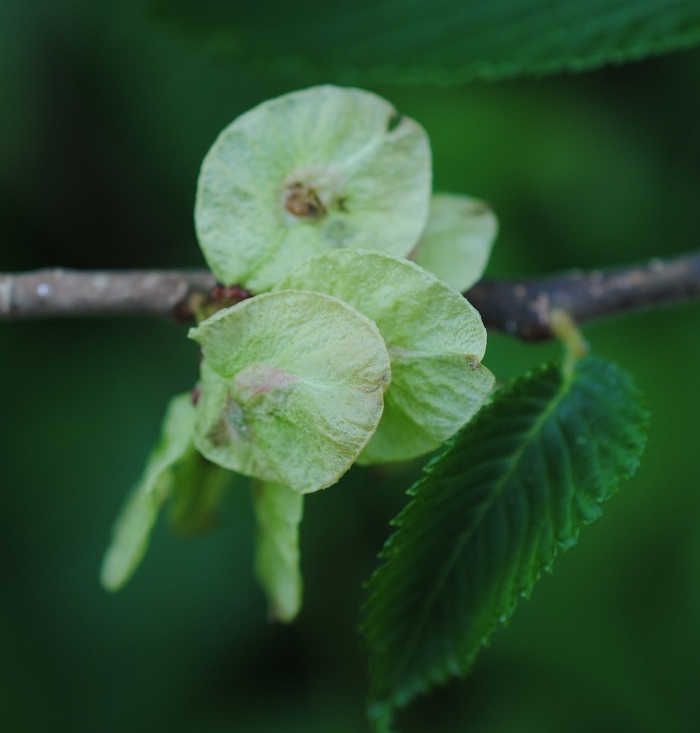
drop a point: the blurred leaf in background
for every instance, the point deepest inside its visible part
(444, 41)
(107, 112)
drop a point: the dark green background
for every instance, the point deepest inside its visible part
(105, 114)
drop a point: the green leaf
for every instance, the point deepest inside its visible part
(278, 511)
(443, 41)
(513, 488)
(307, 172)
(133, 528)
(292, 387)
(457, 239)
(434, 337)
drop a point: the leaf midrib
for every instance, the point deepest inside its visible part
(466, 535)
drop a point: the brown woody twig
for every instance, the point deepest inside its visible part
(521, 308)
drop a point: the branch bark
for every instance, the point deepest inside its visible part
(69, 293)
(521, 308)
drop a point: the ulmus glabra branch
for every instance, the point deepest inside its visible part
(522, 308)
(518, 307)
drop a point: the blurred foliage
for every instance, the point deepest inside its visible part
(106, 115)
(443, 41)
